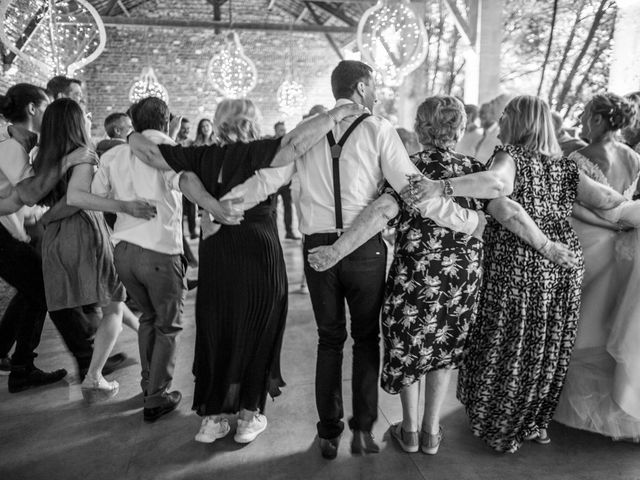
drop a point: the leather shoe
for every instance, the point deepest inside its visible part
(363, 442)
(329, 447)
(24, 377)
(169, 405)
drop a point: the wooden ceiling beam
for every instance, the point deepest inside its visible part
(136, 22)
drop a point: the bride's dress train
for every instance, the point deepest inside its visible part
(602, 388)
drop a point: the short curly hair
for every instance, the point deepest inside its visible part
(440, 121)
(236, 120)
(618, 112)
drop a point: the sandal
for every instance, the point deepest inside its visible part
(408, 440)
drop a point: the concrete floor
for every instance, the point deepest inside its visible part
(49, 433)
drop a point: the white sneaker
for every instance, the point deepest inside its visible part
(212, 428)
(247, 431)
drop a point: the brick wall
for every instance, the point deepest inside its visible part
(180, 58)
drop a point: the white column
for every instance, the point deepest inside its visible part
(490, 39)
(624, 75)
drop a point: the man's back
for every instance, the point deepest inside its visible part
(122, 176)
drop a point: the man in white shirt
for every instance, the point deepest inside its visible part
(372, 153)
(489, 140)
(148, 253)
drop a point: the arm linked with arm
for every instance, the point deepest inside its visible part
(514, 218)
(368, 223)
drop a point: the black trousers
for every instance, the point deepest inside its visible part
(285, 193)
(21, 267)
(189, 210)
(359, 279)
(22, 323)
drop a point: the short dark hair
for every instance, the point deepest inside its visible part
(184, 120)
(277, 124)
(346, 75)
(471, 111)
(13, 104)
(60, 85)
(150, 113)
(111, 122)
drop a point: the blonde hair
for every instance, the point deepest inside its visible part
(440, 121)
(236, 120)
(526, 121)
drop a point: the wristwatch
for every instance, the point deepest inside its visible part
(447, 189)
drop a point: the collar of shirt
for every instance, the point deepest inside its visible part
(24, 137)
(157, 137)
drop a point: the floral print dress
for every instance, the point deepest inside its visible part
(433, 284)
(520, 345)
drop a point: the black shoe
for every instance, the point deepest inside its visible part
(329, 447)
(22, 378)
(192, 283)
(363, 442)
(171, 402)
(112, 363)
(291, 236)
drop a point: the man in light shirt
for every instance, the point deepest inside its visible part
(371, 154)
(148, 253)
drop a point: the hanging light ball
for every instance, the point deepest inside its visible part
(290, 96)
(58, 37)
(147, 85)
(392, 39)
(231, 72)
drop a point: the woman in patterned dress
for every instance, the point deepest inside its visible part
(520, 345)
(602, 389)
(433, 285)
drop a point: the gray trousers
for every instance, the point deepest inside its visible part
(156, 282)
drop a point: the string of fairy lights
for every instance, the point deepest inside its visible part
(62, 36)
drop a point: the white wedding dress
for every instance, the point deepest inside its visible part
(602, 388)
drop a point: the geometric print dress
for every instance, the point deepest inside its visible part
(520, 345)
(432, 288)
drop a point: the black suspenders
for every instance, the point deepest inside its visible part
(336, 150)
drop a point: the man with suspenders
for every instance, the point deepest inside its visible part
(338, 179)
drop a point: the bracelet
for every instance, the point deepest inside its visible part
(543, 249)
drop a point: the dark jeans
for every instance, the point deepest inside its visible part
(156, 282)
(22, 323)
(359, 279)
(285, 193)
(189, 210)
(20, 267)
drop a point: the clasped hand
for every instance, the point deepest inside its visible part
(323, 258)
(420, 188)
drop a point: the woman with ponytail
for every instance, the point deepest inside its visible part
(602, 389)
(23, 106)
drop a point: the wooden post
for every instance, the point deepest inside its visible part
(624, 75)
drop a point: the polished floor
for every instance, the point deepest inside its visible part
(49, 433)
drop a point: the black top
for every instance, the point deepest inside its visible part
(238, 161)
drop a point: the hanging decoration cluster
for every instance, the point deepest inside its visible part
(231, 72)
(57, 36)
(290, 96)
(147, 85)
(392, 39)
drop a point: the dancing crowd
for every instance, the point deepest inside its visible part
(516, 256)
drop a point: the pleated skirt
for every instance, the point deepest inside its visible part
(241, 311)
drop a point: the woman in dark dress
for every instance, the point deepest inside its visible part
(241, 305)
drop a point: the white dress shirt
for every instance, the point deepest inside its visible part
(14, 168)
(487, 144)
(122, 176)
(372, 153)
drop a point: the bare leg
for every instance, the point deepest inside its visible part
(410, 396)
(106, 336)
(436, 384)
(129, 318)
